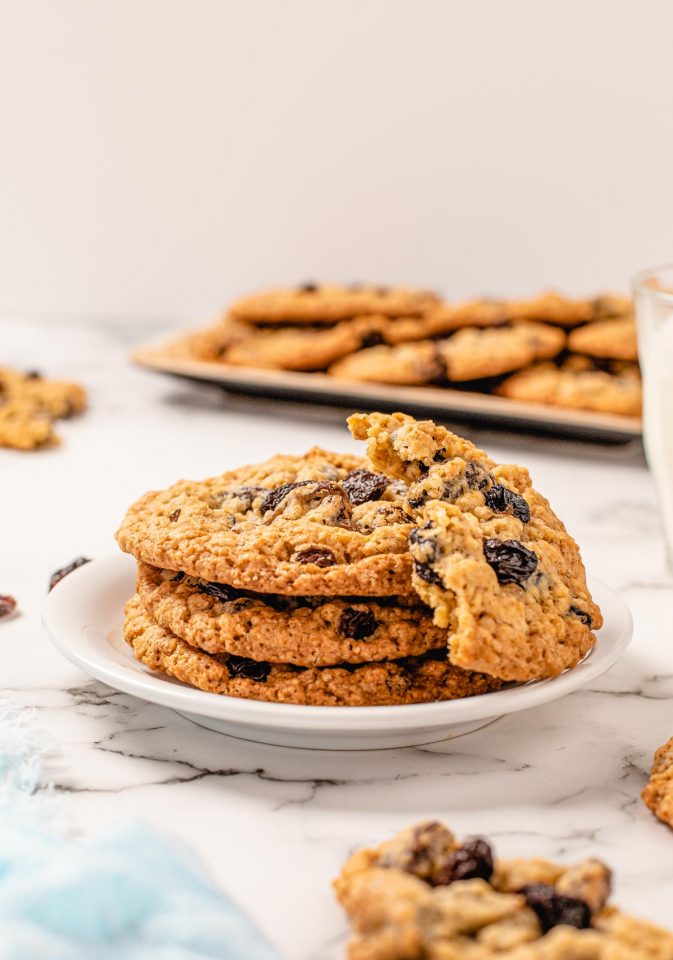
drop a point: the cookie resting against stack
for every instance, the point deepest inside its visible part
(548, 349)
(424, 895)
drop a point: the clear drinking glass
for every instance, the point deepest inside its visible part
(653, 295)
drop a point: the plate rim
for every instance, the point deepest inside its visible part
(155, 688)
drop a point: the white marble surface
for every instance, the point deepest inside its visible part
(274, 824)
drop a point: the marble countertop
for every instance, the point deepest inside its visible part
(274, 824)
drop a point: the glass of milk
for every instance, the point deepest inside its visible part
(653, 294)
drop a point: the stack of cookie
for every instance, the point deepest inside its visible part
(547, 349)
(286, 581)
(425, 573)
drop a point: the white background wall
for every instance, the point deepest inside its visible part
(159, 156)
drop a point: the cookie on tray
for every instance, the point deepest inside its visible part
(410, 364)
(578, 386)
(328, 303)
(301, 348)
(424, 895)
(313, 524)
(606, 339)
(210, 343)
(490, 557)
(412, 680)
(446, 318)
(658, 792)
(306, 631)
(477, 354)
(553, 307)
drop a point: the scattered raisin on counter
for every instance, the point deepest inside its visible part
(7, 605)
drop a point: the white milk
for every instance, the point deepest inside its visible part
(656, 349)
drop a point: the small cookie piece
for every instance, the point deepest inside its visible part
(475, 354)
(406, 363)
(53, 398)
(578, 388)
(490, 557)
(658, 792)
(312, 524)
(29, 404)
(424, 895)
(553, 307)
(301, 348)
(609, 339)
(305, 631)
(329, 303)
(413, 680)
(22, 427)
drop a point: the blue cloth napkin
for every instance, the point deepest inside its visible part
(132, 893)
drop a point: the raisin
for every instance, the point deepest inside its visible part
(363, 486)
(221, 591)
(512, 562)
(426, 573)
(426, 546)
(582, 615)
(357, 624)
(476, 476)
(179, 577)
(308, 287)
(473, 860)
(277, 495)
(247, 669)
(58, 575)
(7, 605)
(320, 556)
(248, 494)
(552, 908)
(33, 375)
(502, 500)
(372, 339)
(440, 457)
(174, 516)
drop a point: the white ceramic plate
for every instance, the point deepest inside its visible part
(84, 614)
